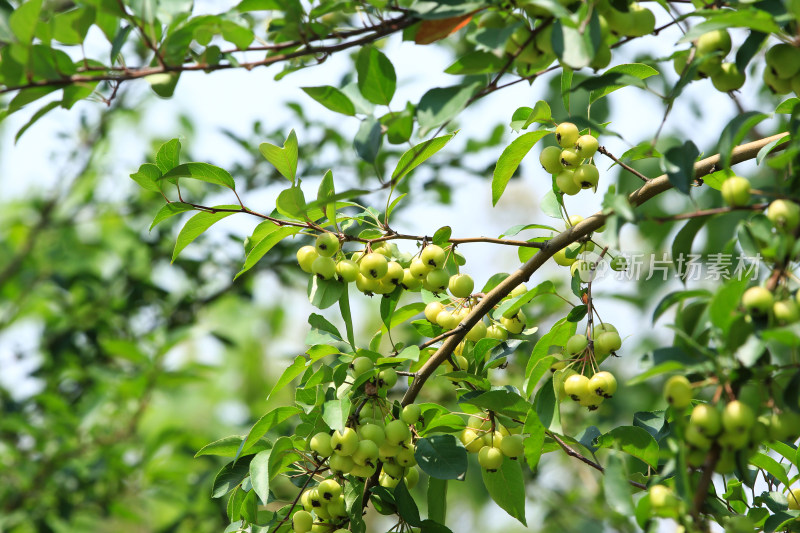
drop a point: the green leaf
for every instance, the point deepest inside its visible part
(725, 302)
(477, 62)
(335, 413)
(573, 49)
(406, 506)
(230, 476)
(682, 245)
(437, 499)
(168, 156)
(169, 210)
(412, 158)
(616, 78)
(344, 310)
(377, 80)
(292, 203)
(735, 131)
(267, 422)
(267, 242)
(41, 112)
(163, 84)
(228, 447)
(148, 177)
(442, 235)
(324, 293)
(510, 159)
(787, 106)
(507, 488)
(502, 401)
(632, 440)
(23, 20)
(294, 370)
(616, 488)
(744, 17)
(283, 159)
(202, 172)
(678, 163)
(442, 104)
(773, 467)
(566, 83)
(368, 139)
(332, 98)
(196, 226)
(540, 113)
(442, 457)
(535, 440)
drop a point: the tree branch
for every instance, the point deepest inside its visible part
(569, 450)
(647, 191)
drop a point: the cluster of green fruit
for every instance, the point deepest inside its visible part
(635, 21)
(760, 302)
(588, 391)
(381, 269)
(710, 51)
(735, 428)
(782, 73)
(376, 440)
(492, 441)
(449, 315)
(784, 214)
(567, 161)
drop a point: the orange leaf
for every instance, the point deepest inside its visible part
(431, 31)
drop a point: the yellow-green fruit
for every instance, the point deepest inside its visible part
(471, 440)
(576, 386)
(321, 444)
(728, 78)
(418, 268)
(758, 300)
(396, 432)
(776, 85)
(619, 22)
(661, 498)
(602, 58)
(603, 383)
(347, 270)
(433, 256)
(394, 273)
(586, 176)
(409, 282)
(367, 285)
(529, 53)
(784, 214)
(374, 266)
(586, 146)
(327, 244)
(714, 41)
(707, 420)
(329, 490)
(678, 392)
(490, 458)
(461, 285)
(513, 446)
(785, 312)
(570, 158)
(432, 311)
(324, 267)
(437, 280)
(567, 135)
(736, 191)
(550, 158)
(644, 22)
(514, 325)
(302, 521)
(565, 181)
(344, 442)
(784, 60)
(496, 332)
(410, 414)
(477, 332)
(793, 497)
(737, 417)
(306, 256)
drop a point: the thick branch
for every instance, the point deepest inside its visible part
(647, 191)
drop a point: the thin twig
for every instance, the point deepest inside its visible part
(602, 150)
